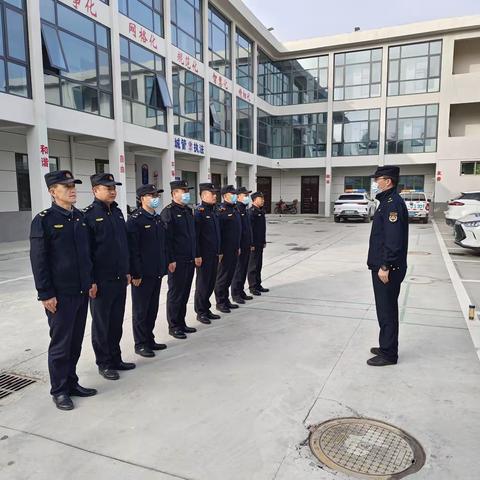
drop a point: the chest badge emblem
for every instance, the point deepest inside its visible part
(393, 217)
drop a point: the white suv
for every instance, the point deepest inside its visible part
(461, 206)
(354, 204)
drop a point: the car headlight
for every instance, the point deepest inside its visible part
(475, 223)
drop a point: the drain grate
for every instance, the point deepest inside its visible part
(10, 383)
(366, 448)
(299, 249)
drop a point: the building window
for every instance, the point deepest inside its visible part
(76, 60)
(470, 168)
(411, 182)
(220, 117)
(358, 74)
(188, 103)
(147, 13)
(412, 129)
(244, 126)
(414, 68)
(358, 183)
(244, 56)
(144, 91)
(23, 182)
(14, 64)
(355, 133)
(187, 26)
(219, 43)
(292, 82)
(264, 134)
(101, 166)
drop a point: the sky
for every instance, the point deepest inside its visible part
(301, 19)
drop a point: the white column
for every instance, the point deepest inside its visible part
(205, 163)
(252, 178)
(232, 172)
(168, 171)
(328, 159)
(204, 169)
(116, 150)
(37, 136)
(328, 187)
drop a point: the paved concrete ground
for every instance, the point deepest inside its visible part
(235, 400)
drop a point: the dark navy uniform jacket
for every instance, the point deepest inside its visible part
(180, 231)
(147, 241)
(207, 229)
(230, 227)
(60, 253)
(389, 236)
(108, 241)
(259, 226)
(247, 239)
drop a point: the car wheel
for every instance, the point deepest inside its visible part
(336, 219)
(425, 220)
(367, 219)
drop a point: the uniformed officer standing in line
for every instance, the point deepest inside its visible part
(230, 232)
(387, 259)
(178, 218)
(246, 245)
(207, 229)
(63, 273)
(147, 240)
(109, 245)
(259, 228)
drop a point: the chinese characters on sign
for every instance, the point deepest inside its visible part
(189, 146)
(142, 35)
(245, 95)
(220, 81)
(186, 61)
(122, 163)
(44, 156)
(87, 6)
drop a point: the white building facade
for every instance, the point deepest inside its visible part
(154, 90)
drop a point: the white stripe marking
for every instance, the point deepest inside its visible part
(15, 279)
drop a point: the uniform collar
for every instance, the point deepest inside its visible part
(228, 205)
(147, 214)
(104, 205)
(241, 207)
(383, 195)
(207, 206)
(179, 205)
(66, 213)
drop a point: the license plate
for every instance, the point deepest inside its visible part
(411, 214)
(350, 212)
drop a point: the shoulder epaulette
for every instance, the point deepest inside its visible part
(44, 212)
(86, 209)
(136, 214)
(169, 205)
(201, 209)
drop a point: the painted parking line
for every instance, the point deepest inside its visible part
(464, 280)
(15, 279)
(465, 261)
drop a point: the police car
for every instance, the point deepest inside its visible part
(355, 203)
(418, 205)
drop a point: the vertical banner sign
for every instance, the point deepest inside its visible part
(44, 158)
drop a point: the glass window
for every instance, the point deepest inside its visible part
(220, 117)
(292, 82)
(411, 182)
(23, 182)
(145, 12)
(244, 58)
(412, 129)
(244, 126)
(355, 133)
(14, 64)
(101, 165)
(414, 68)
(219, 43)
(358, 74)
(188, 100)
(76, 60)
(470, 168)
(357, 183)
(144, 91)
(186, 22)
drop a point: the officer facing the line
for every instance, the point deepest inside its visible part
(230, 232)
(109, 249)
(63, 274)
(258, 224)
(178, 218)
(207, 229)
(387, 259)
(246, 245)
(147, 240)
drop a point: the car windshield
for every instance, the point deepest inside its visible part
(351, 197)
(413, 197)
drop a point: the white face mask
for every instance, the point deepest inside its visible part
(375, 189)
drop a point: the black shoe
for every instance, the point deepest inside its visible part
(204, 319)
(63, 401)
(178, 334)
(144, 351)
(245, 296)
(223, 308)
(232, 305)
(255, 292)
(108, 373)
(212, 316)
(376, 351)
(263, 290)
(124, 366)
(189, 329)
(239, 300)
(79, 391)
(379, 361)
(157, 346)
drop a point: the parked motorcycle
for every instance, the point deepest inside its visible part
(284, 207)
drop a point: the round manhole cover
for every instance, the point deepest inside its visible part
(419, 280)
(366, 448)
